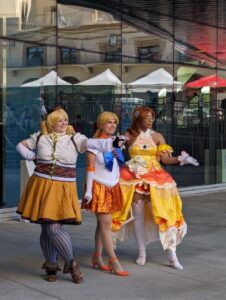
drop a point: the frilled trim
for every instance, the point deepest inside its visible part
(71, 221)
(164, 148)
(166, 185)
(173, 236)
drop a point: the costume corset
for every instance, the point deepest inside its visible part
(149, 154)
(55, 170)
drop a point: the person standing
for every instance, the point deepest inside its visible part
(50, 197)
(103, 195)
(149, 192)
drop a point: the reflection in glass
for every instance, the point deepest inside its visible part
(81, 42)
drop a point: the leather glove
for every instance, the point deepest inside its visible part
(89, 186)
(185, 159)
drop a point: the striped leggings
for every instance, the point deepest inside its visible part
(53, 241)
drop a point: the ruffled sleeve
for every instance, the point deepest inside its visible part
(80, 141)
(32, 141)
(164, 148)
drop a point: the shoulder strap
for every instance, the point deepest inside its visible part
(72, 139)
(38, 138)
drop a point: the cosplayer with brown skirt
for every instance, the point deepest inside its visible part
(50, 197)
(149, 192)
(103, 195)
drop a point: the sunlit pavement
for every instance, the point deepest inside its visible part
(203, 254)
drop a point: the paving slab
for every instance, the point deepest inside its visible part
(203, 254)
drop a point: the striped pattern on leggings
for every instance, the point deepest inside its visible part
(55, 240)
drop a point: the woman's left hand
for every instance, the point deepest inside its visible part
(185, 159)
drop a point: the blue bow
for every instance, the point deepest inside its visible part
(109, 158)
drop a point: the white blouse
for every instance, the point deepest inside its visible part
(102, 174)
(65, 150)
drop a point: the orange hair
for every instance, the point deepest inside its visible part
(139, 114)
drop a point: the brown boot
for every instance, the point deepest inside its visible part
(51, 271)
(75, 271)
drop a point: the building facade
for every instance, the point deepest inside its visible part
(81, 39)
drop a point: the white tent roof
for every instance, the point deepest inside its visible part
(157, 79)
(105, 78)
(49, 79)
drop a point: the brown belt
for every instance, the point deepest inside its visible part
(55, 170)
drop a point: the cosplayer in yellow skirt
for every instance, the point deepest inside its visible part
(150, 196)
(50, 197)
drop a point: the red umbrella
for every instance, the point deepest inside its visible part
(213, 81)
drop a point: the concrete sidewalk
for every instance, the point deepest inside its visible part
(203, 254)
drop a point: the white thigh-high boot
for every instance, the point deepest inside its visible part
(138, 213)
(173, 260)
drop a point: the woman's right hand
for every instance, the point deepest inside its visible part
(88, 197)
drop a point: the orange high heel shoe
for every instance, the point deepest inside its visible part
(119, 273)
(95, 263)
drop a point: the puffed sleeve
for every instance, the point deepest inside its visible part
(164, 148)
(80, 142)
(102, 145)
(94, 151)
(32, 141)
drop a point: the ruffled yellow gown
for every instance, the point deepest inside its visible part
(163, 213)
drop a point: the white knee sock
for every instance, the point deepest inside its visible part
(173, 260)
(138, 212)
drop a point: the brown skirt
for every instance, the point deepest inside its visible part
(46, 200)
(105, 199)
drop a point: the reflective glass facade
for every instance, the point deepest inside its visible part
(81, 39)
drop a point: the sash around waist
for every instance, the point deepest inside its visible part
(55, 171)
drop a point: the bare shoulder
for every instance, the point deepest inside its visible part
(158, 138)
(127, 134)
(130, 137)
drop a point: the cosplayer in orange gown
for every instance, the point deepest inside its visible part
(150, 196)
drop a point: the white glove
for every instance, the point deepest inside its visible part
(25, 152)
(89, 186)
(185, 159)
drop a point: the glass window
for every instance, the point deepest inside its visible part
(35, 56)
(113, 56)
(68, 56)
(148, 53)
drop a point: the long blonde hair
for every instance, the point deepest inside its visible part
(102, 119)
(52, 119)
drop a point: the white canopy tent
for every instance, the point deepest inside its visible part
(104, 78)
(49, 79)
(156, 81)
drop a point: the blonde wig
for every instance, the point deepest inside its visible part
(52, 119)
(102, 119)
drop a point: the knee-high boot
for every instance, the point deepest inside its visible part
(138, 212)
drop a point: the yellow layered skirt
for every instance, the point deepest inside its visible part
(46, 200)
(165, 202)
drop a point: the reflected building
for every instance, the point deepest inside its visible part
(81, 39)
